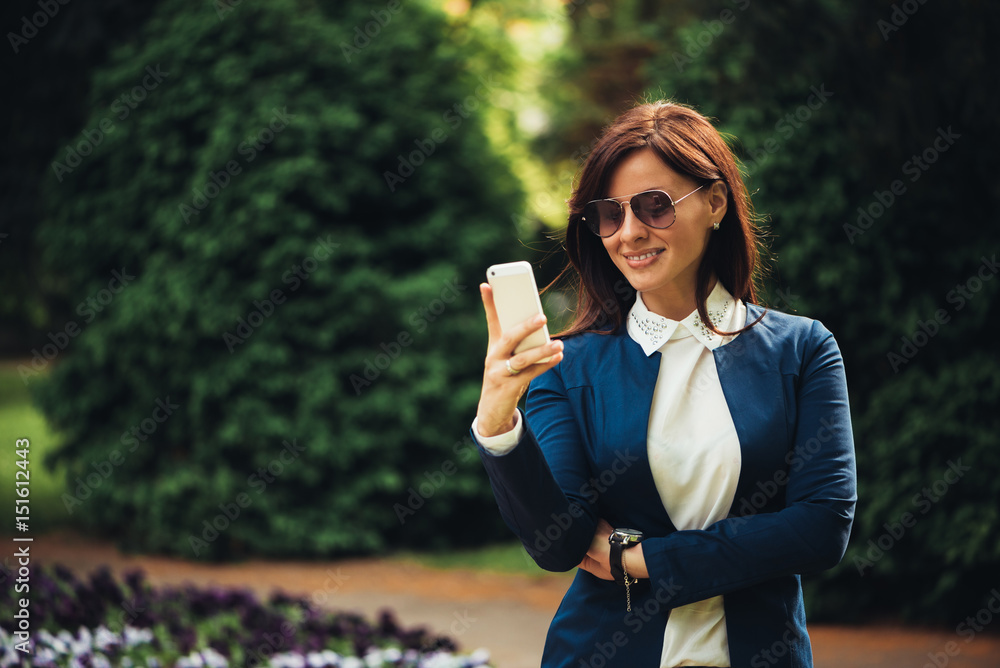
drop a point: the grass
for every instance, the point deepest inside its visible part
(20, 419)
(503, 558)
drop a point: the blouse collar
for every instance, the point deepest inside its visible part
(651, 330)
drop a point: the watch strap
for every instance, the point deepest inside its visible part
(616, 562)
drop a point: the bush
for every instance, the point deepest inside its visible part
(275, 239)
(52, 54)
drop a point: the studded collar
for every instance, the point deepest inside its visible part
(652, 331)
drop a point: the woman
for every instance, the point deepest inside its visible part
(691, 452)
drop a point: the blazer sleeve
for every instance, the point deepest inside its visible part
(544, 498)
(810, 532)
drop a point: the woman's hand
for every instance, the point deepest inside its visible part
(598, 559)
(501, 389)
(597, 562)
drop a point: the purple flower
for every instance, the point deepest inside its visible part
(135, 579)
(105, 587)
(113, 618)
(64, 574)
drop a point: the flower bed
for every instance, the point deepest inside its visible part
(102, 623)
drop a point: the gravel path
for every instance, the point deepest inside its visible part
(507, 614)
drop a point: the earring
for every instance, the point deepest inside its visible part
(716, 226)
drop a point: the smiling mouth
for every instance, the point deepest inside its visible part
(643, 256)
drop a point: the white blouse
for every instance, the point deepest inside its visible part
(694, 452)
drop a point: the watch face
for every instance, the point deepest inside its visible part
(626, 536)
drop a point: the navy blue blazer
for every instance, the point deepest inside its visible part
(583, 457)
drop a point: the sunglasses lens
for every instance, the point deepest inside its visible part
(603, 217)
(653, 208)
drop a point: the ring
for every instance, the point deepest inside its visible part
(511, 370)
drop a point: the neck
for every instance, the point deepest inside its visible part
(675, 303)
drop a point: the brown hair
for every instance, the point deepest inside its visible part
(689, 144)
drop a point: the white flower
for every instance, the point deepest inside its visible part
(191, 661)
(46, 654)
(104, 638)
(276, 661)
(438, 660)
(85, 635)
(295, 660)
(480, 657)
(134, 636)
(213, 659)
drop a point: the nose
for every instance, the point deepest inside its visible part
(632, 228)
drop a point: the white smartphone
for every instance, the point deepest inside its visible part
(516, 298)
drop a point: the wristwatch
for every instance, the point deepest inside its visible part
(621, 540)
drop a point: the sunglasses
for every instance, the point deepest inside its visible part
(652, 207)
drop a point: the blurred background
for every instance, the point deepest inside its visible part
(240, 244)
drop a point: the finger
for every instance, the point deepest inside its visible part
(513, 337)
(595, 569)
(529, 372)
(492, 321)
(529, 358)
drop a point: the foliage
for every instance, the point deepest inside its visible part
(20, 419)
(507, 557)
(47, 76)
(101, 621)
(904, 279)
(829, 104)
(871, 98)
(282, 353)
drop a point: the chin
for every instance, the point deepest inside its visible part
(644, 282)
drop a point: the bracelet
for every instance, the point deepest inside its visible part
(628, 593)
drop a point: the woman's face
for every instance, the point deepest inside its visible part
(663, 264)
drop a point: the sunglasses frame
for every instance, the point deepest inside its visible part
(629, 198)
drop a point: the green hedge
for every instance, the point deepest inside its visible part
(275, 336)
